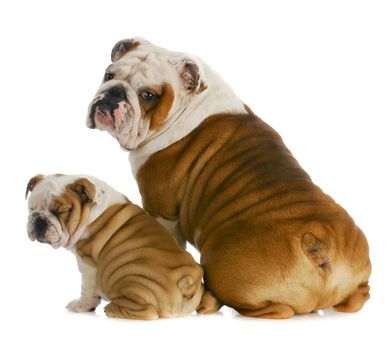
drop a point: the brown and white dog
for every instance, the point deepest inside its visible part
(123, 254)
(272, 243)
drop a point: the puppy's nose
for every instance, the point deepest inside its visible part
(41, 226)
(117, 92)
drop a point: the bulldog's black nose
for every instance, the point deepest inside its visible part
(116, 92)
(41, 226)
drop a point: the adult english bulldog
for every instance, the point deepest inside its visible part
(272, 243)
(123, 254)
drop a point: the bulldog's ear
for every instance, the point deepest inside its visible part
(32, 183)
(193, 77)
(85, 189)
(123, 47)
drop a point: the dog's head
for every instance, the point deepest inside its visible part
(60, 208)
(144, 88)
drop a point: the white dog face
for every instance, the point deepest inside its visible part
(144, 88)
(60, 208)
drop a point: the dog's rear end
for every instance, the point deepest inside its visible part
(296, 268)
(346, 276)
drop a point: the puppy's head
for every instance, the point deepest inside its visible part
(145, 87)
(60, 208)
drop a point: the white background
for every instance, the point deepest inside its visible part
(318, 71)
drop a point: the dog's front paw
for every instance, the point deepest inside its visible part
(83, 305)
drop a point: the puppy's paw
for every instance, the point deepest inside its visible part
(83, 305)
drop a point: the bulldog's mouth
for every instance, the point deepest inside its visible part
(43, 230)
(108, 115)
(101, 113)
(50, 237)
(104, 117)
(112, 112)
(108, 108)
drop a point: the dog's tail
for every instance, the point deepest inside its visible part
(187, 286)
(316, 250)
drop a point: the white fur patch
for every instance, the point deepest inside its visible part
(148, 65)
(89, 296)
(184, 118)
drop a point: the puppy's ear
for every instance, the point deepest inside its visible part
(193, 77)
(85, 189)
(32, 183)
(123, 47)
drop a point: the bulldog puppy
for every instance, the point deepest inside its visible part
(123, 254)
(272, 243)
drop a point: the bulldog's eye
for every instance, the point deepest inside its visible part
(61, 210)
(148, 96)
(108, 76)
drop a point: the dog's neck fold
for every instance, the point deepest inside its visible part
(99, 232)
(105, 198)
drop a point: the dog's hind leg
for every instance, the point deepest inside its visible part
(355, 301)
(126, 308)
(274, 311)
(208, 303)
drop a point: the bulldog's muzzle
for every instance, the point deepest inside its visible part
(103, 109)
(40, 228)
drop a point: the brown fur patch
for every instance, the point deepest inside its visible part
(246, 203)
(140, 266)
(158, 110)
(84, 188)
(316, 250)
(73, 206)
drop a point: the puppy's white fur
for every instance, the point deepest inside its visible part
(40, 200)
(89, 296)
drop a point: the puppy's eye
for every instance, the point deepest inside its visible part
(61, 210)
(148, 96)
(108, 76)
